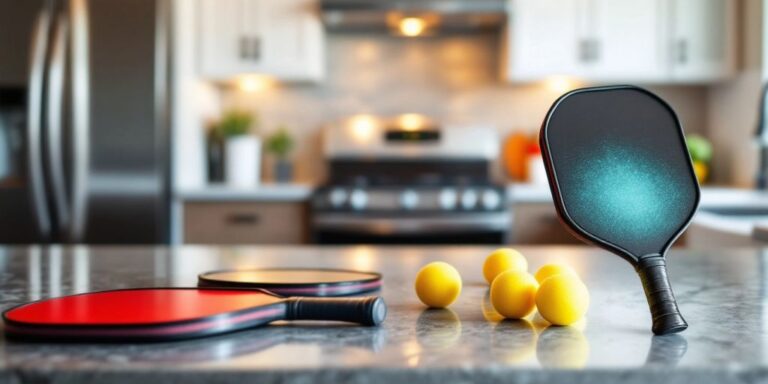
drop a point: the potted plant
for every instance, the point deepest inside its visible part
(242, 149)
(280, 144)
(700, 150)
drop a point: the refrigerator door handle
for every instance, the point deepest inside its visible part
(55, 117)
(81, 109)
(35, 121)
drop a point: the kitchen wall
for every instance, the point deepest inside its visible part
(451, 78)
(733, 106)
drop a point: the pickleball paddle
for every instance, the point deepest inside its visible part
(621, 178)
(154, 314)
(295, 281)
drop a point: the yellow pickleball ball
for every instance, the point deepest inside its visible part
(501, 260)
(562, 299)
(513, 294)
(438, 284)
(549, 270)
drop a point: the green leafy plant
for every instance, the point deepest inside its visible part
(700, 148)
(280, 143)
(235, 123)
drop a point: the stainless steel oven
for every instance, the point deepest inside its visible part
(390, 183)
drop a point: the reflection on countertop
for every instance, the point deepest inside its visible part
(721, 293)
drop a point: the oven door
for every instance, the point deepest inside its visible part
(453, 228)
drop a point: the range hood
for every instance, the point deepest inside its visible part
(437, 16)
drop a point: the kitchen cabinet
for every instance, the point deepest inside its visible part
(702, 42)
(655, 41)
(281, 39)
(541, 39)
(537, 223)
(245, 223)
(623, 39)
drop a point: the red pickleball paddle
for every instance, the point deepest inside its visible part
(154, 314)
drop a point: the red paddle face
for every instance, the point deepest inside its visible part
(138, 307)
(157, 313)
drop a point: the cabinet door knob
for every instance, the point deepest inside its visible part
(245, 48)
(595, 50)
(584, 50)
(682, 51)
(589, 50)
(255, 43)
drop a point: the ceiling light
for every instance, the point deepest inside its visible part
(412, 26)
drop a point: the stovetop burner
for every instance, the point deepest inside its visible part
(410, 199)
(408, 172)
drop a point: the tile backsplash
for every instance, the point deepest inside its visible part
(452, 78)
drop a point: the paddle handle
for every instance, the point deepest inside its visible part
(666, 315)
(370, 310)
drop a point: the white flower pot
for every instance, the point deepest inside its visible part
(537, 172)
(242, 161)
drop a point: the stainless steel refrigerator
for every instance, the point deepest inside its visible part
(84, 123)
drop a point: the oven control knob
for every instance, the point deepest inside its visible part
(337, 197)
(469, 199)
(491, 199)
(409, 199)
(448, 198)
(358, 199)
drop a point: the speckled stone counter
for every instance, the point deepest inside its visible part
(721, 293)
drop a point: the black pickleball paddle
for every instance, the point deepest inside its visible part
(622, 179)
(295, 281)
(155, 314)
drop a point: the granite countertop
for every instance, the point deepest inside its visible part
(721, 293)
(522, 193)
(273, 192)
(711, 197)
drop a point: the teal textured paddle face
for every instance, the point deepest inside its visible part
(627, 198)
(622, 172)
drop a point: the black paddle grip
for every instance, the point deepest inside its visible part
(370, 310)
(661, 300)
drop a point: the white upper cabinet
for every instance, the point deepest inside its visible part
(219, 34)
(283, 39)
(652, 41)
(542, 40)
(702, 44)
(624, 40)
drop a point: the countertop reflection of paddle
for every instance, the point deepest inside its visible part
(154, 314)
(621, 178)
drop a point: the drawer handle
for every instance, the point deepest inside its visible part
(243, 219)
